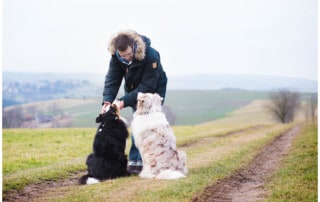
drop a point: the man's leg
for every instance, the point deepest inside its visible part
(135, 160)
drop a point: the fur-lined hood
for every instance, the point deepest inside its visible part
(142, 43)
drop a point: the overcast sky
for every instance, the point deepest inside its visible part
(264, 37)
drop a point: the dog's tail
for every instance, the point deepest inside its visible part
(86, 179)
(170, 175)
(183, 158)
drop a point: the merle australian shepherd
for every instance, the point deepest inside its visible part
(108, 159)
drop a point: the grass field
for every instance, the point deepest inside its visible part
(198, 106)
(214, 149)
(188, 106)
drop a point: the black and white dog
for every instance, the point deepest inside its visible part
(108, 159)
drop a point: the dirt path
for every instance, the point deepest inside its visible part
(33, 190)
(248, 183)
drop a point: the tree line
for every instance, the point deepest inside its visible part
(284, 104)
(34, 117)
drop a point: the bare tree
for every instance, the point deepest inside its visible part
(12, 118)
(311, 107)
(283, 105)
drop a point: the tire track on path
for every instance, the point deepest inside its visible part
(248, 183)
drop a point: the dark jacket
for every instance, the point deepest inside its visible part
(145, 74)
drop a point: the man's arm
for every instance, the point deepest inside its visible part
(112, 84)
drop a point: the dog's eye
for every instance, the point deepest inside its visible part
(140, 101)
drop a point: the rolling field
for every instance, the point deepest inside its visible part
(188, 107)
(198, 106)
(44, 164)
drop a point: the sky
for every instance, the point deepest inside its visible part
(257, 37)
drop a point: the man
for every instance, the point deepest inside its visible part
(139, 64)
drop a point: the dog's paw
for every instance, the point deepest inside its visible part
(145, 174)
(170, 175)
(92, 180)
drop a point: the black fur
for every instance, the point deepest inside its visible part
(108, 159)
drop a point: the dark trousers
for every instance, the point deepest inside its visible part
(134, 154)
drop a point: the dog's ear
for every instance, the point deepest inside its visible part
(99, 118)
(157, 97)
(140, 95)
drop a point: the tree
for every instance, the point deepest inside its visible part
(311, 107)
(12, 118)
(283, 105)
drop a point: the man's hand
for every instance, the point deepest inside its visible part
(104, 107)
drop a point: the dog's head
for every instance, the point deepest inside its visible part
(109, 116)
(148, 103)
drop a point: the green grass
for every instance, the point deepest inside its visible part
(197, 106)
(297, 178)
(27, 148)
(33, 155)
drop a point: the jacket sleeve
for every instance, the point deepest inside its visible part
(148, 84)
(112, 81)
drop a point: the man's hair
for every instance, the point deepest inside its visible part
(122, 41)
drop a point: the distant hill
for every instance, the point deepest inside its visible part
(27, 77)
(19, 88)
(244, 82)
(198, 81)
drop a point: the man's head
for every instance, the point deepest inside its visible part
(124, 46)
(128, 43)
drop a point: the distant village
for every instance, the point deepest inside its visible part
(16, 92)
